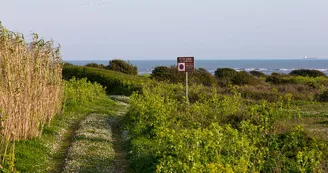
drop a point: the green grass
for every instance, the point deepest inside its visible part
(47, 153)
(115, 82)
(92, 149)
(314, 118)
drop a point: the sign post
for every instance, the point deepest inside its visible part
(186, 64)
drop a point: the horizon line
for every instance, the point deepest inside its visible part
(196, 59)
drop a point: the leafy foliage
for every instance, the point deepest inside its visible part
(122, 66)
(323, 97)
(163, 73)
(244, 78)
(172, 75)
(81, 91)
(225, 74)
(307, 73)
(47, 153)
(215, 134)
(95, 65)
(257, 73)
(315, 82)
(204, 77)
(115, 82)
(228, 76)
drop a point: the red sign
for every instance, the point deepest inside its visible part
(186, 64)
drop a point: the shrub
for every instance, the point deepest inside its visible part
(123, 67)
(225, 73)
(215, 134)
(272, 93)
(172, 75)
(162, 73)
(323, 97)
(145, 75)
(81, 91)
(204, 77)
(95, 65)
(116, 83)
(67, 63)
(307, 72)
(317, 82)
(257, 73)
(275, 74)
(244, 78)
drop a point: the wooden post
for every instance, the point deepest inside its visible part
(187, 99)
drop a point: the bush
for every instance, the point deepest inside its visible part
(116, 83)
(161, 73)
(307, 73)
(81, 91)
(275, 74)
(230, 76)
(214, 134)
(317, 82)
(323, 97)
(123, 67)
(67, 63)
(95, 65)
(204, 77)
(225, 73)
(244, 78)
(172, 75)
(257, 73)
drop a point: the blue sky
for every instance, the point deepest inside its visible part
(166, 29)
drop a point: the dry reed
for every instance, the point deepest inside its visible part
(30, 88)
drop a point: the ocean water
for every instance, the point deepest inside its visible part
(265, 66)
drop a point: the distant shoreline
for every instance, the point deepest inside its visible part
(266, 66)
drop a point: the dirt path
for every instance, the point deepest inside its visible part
(121, 164)
(97, 145)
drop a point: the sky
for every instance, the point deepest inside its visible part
(166, 29)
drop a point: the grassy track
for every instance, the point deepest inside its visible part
(61, 139)
(97, 145)
(92, 149)
(315, 119)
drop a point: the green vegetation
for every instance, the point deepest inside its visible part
(257, 73)
(48, 153)
(122, 66)
(217, 134)
(95, 65)
(172, 75)
(228, 76)
(323, 97)
(261, 126)
(92, 149)
(234, 122)
(162, 73)
(115, 82)
(225, 75)
(307, 73)
(244, 78)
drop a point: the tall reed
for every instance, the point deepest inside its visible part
(30, 88)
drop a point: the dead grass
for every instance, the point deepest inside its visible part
(30, 88)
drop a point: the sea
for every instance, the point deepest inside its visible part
(266, 66)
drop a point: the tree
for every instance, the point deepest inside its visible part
(123, 67)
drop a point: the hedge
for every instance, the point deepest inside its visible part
(115, 82)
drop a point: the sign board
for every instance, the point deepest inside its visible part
(186, 64)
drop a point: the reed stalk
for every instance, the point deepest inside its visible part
(30, 88)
